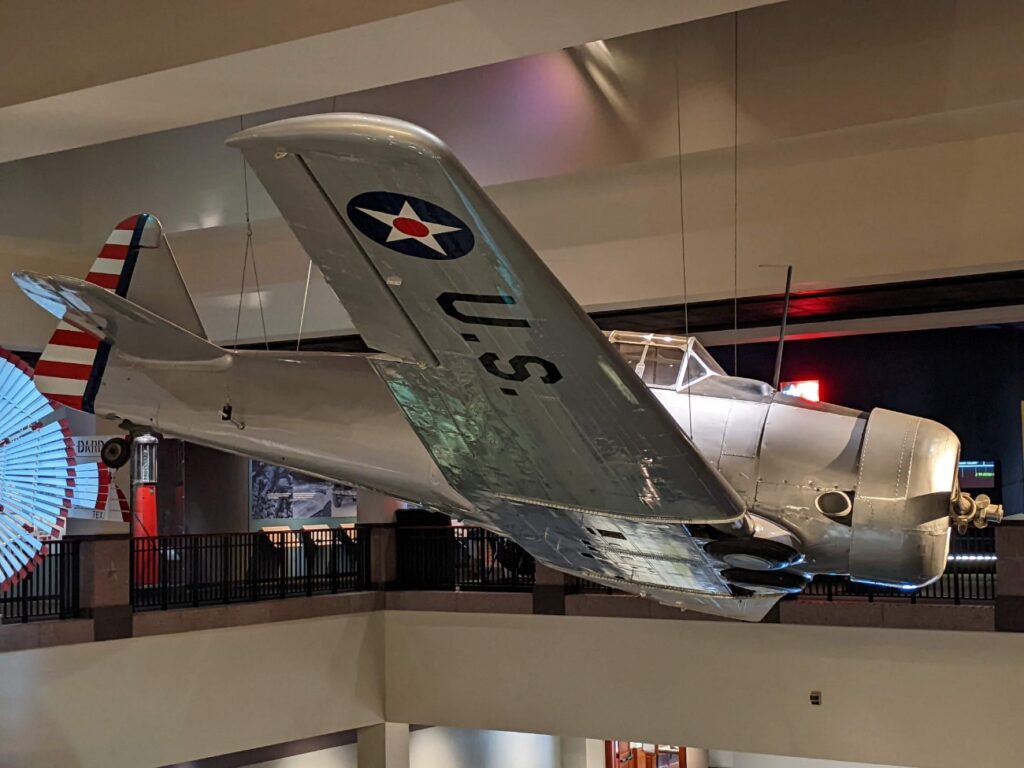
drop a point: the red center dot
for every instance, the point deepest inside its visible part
(411, 227)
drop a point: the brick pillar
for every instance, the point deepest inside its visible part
(549, 589)
(383, 555)
(104, 579)
(1010, 577)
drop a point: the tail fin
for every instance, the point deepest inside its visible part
(135, 263)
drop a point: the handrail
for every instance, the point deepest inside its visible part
(206, 569)
(49, 591)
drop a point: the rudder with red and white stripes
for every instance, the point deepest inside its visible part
(135, 263)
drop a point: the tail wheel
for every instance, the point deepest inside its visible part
(116, 452)
(781, 580)
(753, 554)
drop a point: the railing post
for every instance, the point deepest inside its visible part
(364, 562)
(24, 585)
(332, 558)
(105, 585)
(255, 565)
(193, 553)
(549, 589)
(161, 568)
(69, 580)
(383, 566)
(282, 548)
(225, 567)
(309, 557)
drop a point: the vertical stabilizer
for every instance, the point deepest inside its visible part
(135, 263)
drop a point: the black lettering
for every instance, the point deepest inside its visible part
(447, 301)
(520, 370)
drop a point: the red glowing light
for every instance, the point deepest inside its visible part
(808, 389)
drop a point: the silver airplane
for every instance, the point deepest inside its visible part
(631, 460)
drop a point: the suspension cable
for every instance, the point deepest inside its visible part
(305, 300)
(250, 252)
(682, 239)
(735, 195)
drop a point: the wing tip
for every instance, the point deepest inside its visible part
(352, 127)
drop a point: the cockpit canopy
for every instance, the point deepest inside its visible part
(665, 362)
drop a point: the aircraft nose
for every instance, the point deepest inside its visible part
(901, 510)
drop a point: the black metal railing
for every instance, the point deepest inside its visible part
(460, 558)
(970, 576)
(577, 585)
(50, 591)
(206, 569)
(194, 570)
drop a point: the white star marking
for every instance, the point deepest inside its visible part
(407, 225)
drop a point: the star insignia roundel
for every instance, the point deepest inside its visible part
(410, 225)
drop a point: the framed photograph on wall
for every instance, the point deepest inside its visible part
(278, 493)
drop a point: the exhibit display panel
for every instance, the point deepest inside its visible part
(281, 496)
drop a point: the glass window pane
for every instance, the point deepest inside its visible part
(695, 371)
(663, 366)
(632, 353)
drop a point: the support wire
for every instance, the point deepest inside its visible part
(735, 195)
(682, 239)
(250, 252)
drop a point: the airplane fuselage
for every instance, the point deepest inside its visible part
(799, 467)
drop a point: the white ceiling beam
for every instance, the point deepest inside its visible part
(442, 39)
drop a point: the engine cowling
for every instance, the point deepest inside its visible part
(906, 482)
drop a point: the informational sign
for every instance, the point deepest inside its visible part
(278, 493)
(88, 447)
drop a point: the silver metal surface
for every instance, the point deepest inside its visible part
(585, 435)
(496, 400)
(901, 510)
(144, 460)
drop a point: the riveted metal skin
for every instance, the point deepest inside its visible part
(496, 400)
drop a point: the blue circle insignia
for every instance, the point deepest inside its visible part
(410, 225)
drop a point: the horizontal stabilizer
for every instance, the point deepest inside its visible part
(132, 330)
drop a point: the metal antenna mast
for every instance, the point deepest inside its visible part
(782, 326)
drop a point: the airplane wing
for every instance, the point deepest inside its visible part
(511, 387)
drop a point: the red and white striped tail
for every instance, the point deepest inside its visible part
(71, 366)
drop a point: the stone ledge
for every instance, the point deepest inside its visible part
(460, 602)
(628, 606)
(177, 620)
(889, 614)
(43, 634)
(845, 613)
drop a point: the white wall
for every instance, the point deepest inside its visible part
(168, 699)
(724, 685)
